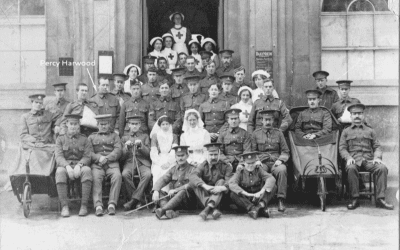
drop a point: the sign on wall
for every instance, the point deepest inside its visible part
(264, 61)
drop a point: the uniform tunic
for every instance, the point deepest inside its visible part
(55, 106)
(163, 75)
(177, 177)
(235, 141)
(329, 97)
(192, 101)
(195, 72)
(134, 107)
(207, 81)
(222, 70)
(269, 103)
(164, 105)
(359, 142)
(212, 113)
(178, 91)
(316, 121)
(121, 95)
(150, 91)
(37, 126)
(227, 96)
(108, 104)
(339, 106)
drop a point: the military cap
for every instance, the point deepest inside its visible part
(128, 68)
(152, 69)
(73, 117)
(344, 83)
(37, 97)
(227, 78)
(267, 113)
(134, 118)
(167, 35)
(59, 84)
(226, 51)
(320, 73)
(152, 41)
(240, 68)
(178, 71)
(105, 117)
(357, 107)
(250, 157)
(205, 54)
(313, 92)
(180, 149)
(119, 75)
(191, 79)
(148, 59)
(232, 112)
(213, 146)
(173, 14)
(206, 40)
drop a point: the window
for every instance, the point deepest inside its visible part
(22, 44)
(360, 41)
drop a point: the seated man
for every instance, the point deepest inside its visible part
(105, 156)
(141, 142)
(252, 188)
(210, 181)
(73, 154)
(235, 140)
(361, 149)
(313, 122)
(178, 179)
(273, 153)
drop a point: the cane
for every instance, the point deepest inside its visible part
(135, 162)
(146, 205)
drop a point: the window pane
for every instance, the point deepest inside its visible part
(333, 31)
(9, 37)
(32, 7)
(387, 30)
(33, 74)
(8, 8)
(10, 63)
(33, 37)
(386, 64)
(360, 5)
(361, 65)
(335, 62)
(360, 30)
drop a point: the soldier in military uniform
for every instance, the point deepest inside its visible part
(141, 162)
(235, 140)
(212, 112)
(148, 62)
(313, 122)
(194, 98)
(77, 107)
(269, 102)
(164, 105)
(273, 152)
(205, 58)
(339, 108)
(178, 89)
(210, 78)
(240, 74)
(362, 151)
(135, 106)
(162, 74)
(107, 103)
(59, 104)
(106, 153)
(190, 68)
(226, 93)
(73, 155)
(226, 67)
(118, 91)
(210, 181)
(252, 187)
(180, 190)
(151, 87)
(329, 96)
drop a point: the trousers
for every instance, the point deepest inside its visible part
(116, 180)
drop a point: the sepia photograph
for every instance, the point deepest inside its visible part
(199, 124)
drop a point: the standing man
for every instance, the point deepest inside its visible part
(191, 68)
(313, 122)
(194, 98)
(269, 102)
(210, 78)
(240, 74)
(362, 151)
(273, 152)
(340, 108)
(118, 91)
(205, 58)
(210, 181)
(107, 103)
(227, 64)
(148, 62)
(329, 96)
(73, 154)
(162, 74)
(178, 89)
(150, 88)
(235, 140)
(226, 93)
(59, 104)
(252, 188)
(106, 153)
(178, 179)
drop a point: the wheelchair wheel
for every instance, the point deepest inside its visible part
(26, 200)
(322, 193)
(19, 195)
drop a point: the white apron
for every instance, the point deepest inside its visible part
(179, 38)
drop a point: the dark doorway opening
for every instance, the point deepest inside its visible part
(201, 16)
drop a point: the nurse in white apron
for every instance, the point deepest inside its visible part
(180, 34)
(168, 53)
(194, 47)
(156, 44)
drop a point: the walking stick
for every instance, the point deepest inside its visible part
(146, 205)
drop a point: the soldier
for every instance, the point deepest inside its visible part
(150, 88)
(148, 62)
(178, 89)
(269, 102)
(227, 66)
(73, 154)
(212, 112)
(361, 149)
(118, 91)
(164, 105)
(190, 68)
(235, 140)
(313, 122)
(107, 102)
(182, 60)
(226, 93)
(135, 106)
(205, 58)
(328, 96)
(77, 107)
(59, 104)
(139, 143)
(162, 74)
(178, 179)
(194, 98)
(252, 187)
(240, 74)
(105, 157)
(210, 78)
(339, 108)
(273, 152)
(210, 181)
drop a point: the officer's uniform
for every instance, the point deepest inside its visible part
(207, 81)
(316, 121)
(164, 105)
(212, 113)
(269, 103)
(108, 104)
(106, 144)
(134, 107)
